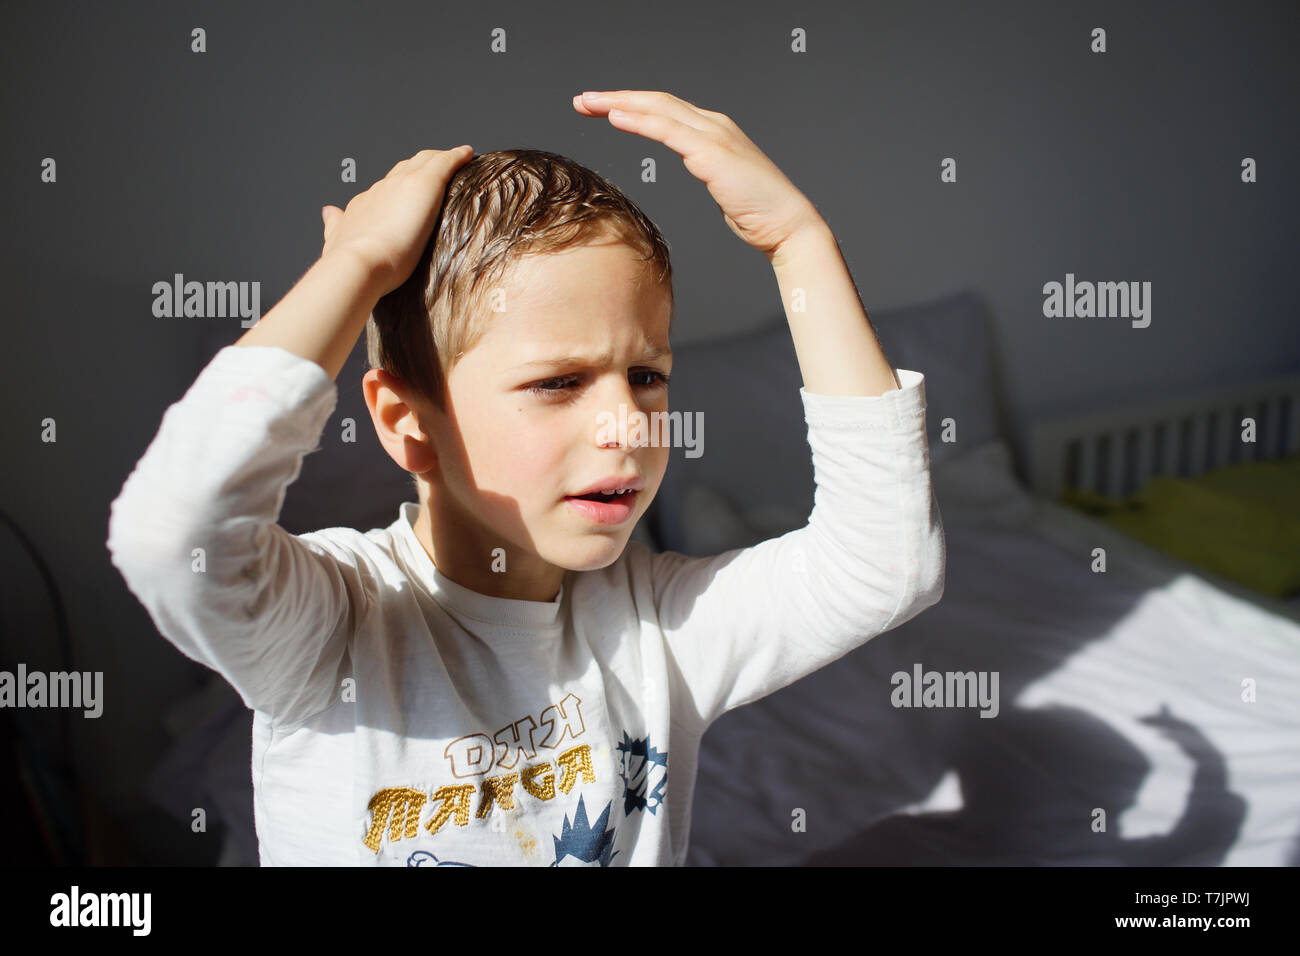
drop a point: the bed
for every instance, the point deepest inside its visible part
(1147, 714)
(1119, 692)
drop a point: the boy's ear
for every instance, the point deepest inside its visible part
(395, 414)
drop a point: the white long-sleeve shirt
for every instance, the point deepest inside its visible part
(402, 719)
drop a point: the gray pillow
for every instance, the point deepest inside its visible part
(950, 342)
(755, 440)
(715, 524)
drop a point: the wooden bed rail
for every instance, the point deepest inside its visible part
(1114, 451)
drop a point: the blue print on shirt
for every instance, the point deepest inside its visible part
(645, 774)
(425, 858)
(587, 843)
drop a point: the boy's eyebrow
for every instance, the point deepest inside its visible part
(653, 353)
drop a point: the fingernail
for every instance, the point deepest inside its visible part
(594, 97)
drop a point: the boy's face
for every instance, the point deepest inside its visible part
(582, 327)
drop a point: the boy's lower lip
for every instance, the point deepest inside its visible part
(605, 512)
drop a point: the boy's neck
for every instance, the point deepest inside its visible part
(479, 576)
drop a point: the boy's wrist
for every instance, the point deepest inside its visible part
(812, 237)
(370, 279)
(324, 314)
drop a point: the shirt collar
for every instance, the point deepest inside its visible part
(462, 601)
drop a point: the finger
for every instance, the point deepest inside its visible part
(416, 159)
(682, 139)
(449, 156)
(652, 101)
(591, 109)
(424, 156)
(328, 215)
(440, 167)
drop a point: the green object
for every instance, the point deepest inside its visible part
(1239, 521)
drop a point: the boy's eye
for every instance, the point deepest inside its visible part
(555, 385)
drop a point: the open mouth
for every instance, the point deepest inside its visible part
(604, 508)
(626, 496)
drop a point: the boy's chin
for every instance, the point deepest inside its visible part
(596, 552)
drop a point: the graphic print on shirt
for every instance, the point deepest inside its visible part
(521, 781)
(511, 755)
(583, 842)
(644, 771)
(425, 858)
(586, 843)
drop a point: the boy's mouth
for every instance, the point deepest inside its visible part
(627, 496)
(604, 508)
(613, 488)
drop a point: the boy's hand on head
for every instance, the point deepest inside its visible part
(757, 200)
(389, 224)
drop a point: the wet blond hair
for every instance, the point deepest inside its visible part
(497, 208)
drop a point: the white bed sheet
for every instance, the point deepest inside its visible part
(1119, 692)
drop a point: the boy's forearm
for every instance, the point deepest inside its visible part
(323, 315)
(837, 348)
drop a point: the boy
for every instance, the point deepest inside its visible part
(500, 677)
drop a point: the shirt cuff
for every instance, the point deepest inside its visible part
(897, 410)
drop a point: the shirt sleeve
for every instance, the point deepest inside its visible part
(745, 623)
(194, 534)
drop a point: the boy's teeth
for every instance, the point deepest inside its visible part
(607, 494)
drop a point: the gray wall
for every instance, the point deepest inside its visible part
(1122, 166)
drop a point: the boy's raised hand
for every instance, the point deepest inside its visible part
(389, 224)
(757, 200)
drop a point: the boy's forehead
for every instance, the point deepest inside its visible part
(560, 310)
(535, 339)
(597, 341)
(558, 354)
(595, 271)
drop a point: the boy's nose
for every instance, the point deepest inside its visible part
(616, 390)
(617, 421)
